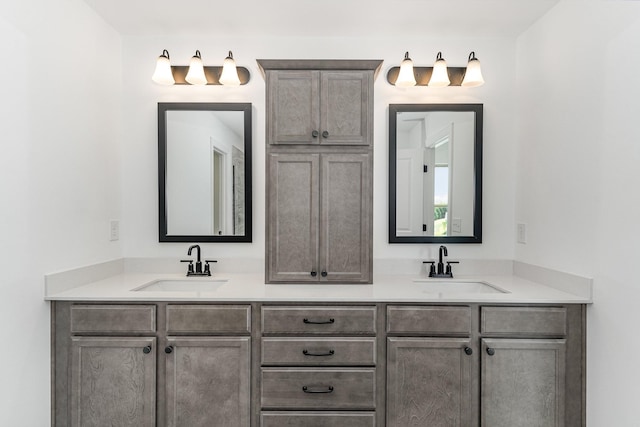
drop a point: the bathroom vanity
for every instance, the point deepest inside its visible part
(493, 351)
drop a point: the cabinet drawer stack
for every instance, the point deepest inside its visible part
(318, 366)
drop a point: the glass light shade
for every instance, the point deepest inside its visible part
(473, 74)
(406, 77)
(163, 75)
(439, 76)
(195, 75)
(229, 75)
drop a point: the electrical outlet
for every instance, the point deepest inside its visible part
(521, 233)
(114, 230)
(456, 225)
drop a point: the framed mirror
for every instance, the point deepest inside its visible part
(204, 172)
(435, 173)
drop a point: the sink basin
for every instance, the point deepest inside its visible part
(430, 286)
(182, 285)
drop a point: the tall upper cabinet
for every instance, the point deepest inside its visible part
(319, 170)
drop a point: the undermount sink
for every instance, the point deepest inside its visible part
(430, 286)
(182, 285)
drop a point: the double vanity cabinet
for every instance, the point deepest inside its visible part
(323, 364)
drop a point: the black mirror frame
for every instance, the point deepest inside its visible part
(163, 107)
(394, 109)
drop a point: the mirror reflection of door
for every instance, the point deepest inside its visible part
(218, 185)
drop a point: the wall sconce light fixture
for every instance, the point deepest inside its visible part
(406, 77)
(163, 74)
(198, 74)
(437, 76)
(473, 75)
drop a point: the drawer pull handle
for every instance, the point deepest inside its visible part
(308, 353)
(328, 389)
(318, 322)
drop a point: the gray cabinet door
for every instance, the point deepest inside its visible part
(522, 382)
(292, 217)
(429, 383)
(345, 107)
(319, 107)
(113, 382)
(319, 236)
(294, 107)
(208, 382)
(345, 223)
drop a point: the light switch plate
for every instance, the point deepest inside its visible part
(521, 230)
(114, 230)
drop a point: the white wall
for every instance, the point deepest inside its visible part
(140, 228)
(59, 177)
(578, 157)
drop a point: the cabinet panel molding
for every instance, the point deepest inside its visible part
(318, 388)
(429, 382)
(208, 381)
(523, 382)
(113, 381)
(209, 319)
(429, 320)
(318, 320)
(112, 319)
(540, 321)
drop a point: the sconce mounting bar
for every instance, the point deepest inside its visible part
(423, 74)
(211, 72)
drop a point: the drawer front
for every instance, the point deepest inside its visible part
(210, 319)
(319, 320)
(319, 388)
(429, 320)
(319, 351)
(317, 419)
(543, 321)
(113, 319)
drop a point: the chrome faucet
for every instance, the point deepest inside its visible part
(198, 271)
(441, 271)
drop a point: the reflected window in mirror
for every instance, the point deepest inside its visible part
(204, 171)
(435, 173)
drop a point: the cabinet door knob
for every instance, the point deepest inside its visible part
(324, 273)
(168, 349)
(314, 273)
(468, 351)
(147, 349)
(315, 133)
(325, 134)
(491, 351)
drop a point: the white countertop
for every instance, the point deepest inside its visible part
(386, 288)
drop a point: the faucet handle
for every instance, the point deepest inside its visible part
(207, 268)
(190, 266)
(448, 271)
(432, 268)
